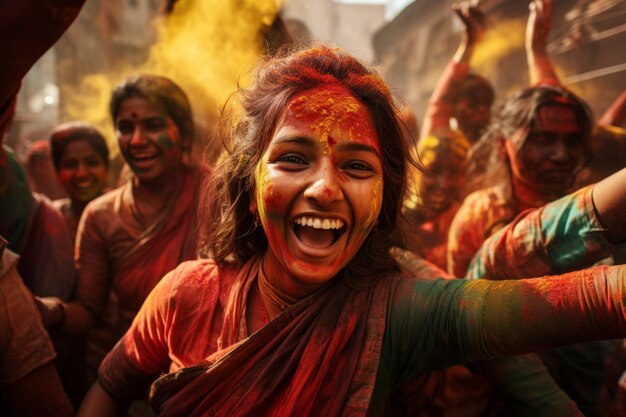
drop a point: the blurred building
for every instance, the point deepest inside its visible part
(105, 33)
(350, 25)
(586, 41)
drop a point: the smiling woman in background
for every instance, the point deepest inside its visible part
(81, 160)
(130, 237)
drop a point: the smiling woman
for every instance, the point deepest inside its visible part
(81, 159)
(325, 160)
(302, 310)
(129, 238)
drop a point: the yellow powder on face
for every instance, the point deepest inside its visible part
(375, 205)
(332, 108)
(263, 186)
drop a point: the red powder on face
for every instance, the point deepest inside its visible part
(274, 203)
(332, 108)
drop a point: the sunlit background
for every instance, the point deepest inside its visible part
(208, 46)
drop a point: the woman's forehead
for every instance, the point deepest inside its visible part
(332, 109)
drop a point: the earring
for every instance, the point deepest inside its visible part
(256, 219)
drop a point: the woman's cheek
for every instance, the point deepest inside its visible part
(65, 177)
(274, 201)
(376, 199)
(270, 201)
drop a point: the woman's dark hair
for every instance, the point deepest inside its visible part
(517, 112)
(162, 92)
(474, 87)
(66, 133)
(276, 82)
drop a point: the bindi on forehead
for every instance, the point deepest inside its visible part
(331, 111)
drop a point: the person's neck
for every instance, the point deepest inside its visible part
(152, 196)
(528, 197)
(278, 289)
(77, 207)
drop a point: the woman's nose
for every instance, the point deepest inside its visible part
(137, 138)
(560, 152)
(325, 189)
(81, 171)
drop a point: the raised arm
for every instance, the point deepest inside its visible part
(28, 28)
(441, 105)
(616, 113)
(540, 66)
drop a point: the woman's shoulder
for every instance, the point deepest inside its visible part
(478, 205)
(62, 204)
(484, 197)
(190, 277)
(106, 202)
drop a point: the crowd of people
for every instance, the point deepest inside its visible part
(335, 259)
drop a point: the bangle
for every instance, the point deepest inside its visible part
(62, 306)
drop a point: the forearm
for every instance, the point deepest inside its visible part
(528, 315)
(37, 25)
(616, 113)
(609, 199)
(37, 394)
(98, 403)
(527, 387)
(562, 236)
(70, 317)
(78, 320)
(540, 68)
(440, 106)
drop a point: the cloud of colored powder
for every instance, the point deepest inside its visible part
(206, 46)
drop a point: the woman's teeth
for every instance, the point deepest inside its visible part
(318, 223)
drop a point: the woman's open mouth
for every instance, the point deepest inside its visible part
(318, 232)
(143, 159)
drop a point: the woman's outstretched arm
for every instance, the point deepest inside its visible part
(571, 233)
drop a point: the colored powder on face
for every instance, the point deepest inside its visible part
(166, 142)
(455, 145)
(332, 108)
(270, 204)
(376, 202)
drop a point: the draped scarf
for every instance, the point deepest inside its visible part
(170, 240)
(318, 357)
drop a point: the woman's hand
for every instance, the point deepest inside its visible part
(474, 21)
(539, 25)
(537, 31)
(52, 310)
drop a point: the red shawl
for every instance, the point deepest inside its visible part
(319, 357)
(170, 240)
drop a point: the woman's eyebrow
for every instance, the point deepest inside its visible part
(356, 146)
(304, 140)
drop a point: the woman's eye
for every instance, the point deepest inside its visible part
(125, 128)
(69, 164)
(358, 167)
(92, 163)
(292, 158)
(155, 124)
